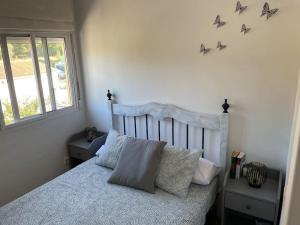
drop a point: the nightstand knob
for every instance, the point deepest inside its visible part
(248, 207)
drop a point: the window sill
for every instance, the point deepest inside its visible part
(39, 118)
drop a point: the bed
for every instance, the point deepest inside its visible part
(83, 196)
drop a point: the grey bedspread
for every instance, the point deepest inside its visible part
(82, 196)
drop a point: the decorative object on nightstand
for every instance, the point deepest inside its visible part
(91, 133)
(254, 203)
(238, 160)
(81, 148)
(256, 174)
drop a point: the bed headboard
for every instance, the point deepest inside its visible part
(178, 126)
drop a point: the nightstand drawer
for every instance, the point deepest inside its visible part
(79, 153)
(250, 206)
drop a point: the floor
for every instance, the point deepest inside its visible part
(212, 218)
(232, 219)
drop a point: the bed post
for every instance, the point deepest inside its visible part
(224, 151)
(109, 110)
(224, 134)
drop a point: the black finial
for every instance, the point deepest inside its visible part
(109, 95)
(225, 106)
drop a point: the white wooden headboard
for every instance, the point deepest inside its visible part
(178, 126)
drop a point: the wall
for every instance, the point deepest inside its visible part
(34, 154)
(149, 51)
(291, 197)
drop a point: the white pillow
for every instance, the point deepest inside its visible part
(109, 153)
(205, 172)
(100, 149)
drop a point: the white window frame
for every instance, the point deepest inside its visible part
(71, 66)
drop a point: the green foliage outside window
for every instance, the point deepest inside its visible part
(27, 108)
(23, 50)
(8, 113)
(19, 51)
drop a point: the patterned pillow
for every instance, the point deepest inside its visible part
(176, 170)
(109, 154)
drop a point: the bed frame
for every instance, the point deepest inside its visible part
(213, 128)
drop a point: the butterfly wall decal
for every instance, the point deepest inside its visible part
(220, 46)
(204, 50)
(267, 11)
(239, 8)
(245, 29)
(218, 22)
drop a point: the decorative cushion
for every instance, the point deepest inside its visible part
(108, 155)
(100, 149)
(138, 164)
(205, 172)
(176, 170)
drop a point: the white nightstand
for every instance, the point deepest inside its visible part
(81, 150)
(262, 203)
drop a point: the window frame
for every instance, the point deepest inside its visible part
(72, 73)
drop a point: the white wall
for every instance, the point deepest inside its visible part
(149, 51)
(291, 197)
(32, 155)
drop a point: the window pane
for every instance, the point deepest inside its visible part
(19, 49)
(59, 70)
(4, 95)
(43, 71)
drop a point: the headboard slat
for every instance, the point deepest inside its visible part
(187, 136)
(147, 134)
(202, 138)
(135, 135)
(172, 131)
(124, 125)
(203, 142)
(158, 124)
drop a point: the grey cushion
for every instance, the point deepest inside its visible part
(109, 154)
(176, 170)
(138, 164)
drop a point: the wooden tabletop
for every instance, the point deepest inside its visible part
(81, 142)
(267, 192)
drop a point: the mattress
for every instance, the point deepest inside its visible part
(83, 196)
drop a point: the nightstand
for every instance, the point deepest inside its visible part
(256, 203)
(81, 150)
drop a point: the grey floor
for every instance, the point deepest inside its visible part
(232, 219)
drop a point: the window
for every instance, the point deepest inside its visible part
(59, 71)
(4, 95)
(24, 78)
(35, 77)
